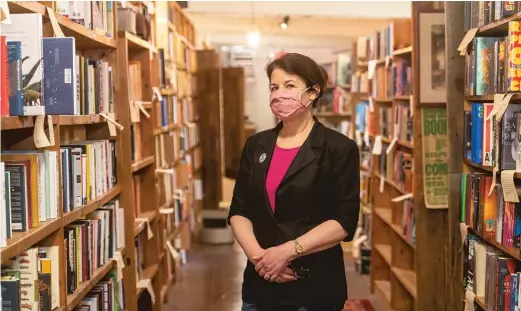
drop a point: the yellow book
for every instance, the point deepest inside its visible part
(33, 183)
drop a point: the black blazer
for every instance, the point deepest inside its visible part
(322, 183)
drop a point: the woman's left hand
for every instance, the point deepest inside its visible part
(274, 260)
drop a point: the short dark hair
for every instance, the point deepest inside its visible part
(304, 67)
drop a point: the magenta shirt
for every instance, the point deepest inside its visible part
(280, 162)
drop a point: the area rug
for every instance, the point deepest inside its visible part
(358, 305)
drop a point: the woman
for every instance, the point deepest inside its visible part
(296, 197)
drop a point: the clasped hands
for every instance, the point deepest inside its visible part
(272, 263)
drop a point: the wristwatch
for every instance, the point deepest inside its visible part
(299, 250)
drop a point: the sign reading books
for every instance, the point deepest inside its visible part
(435, 157)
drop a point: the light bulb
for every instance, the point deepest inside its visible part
(253, 39)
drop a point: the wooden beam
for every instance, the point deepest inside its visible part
(455, 74)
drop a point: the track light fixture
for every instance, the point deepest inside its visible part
(285, 21)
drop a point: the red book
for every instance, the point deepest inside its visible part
(4, 79)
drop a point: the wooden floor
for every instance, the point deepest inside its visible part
(211, 281)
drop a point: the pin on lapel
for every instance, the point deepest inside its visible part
(262, 158)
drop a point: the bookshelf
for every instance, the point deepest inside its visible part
(482, 233)
(400, 231)
(115, 167)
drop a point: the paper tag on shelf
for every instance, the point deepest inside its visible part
(156, 93)
(371, 66)
(147, 284)
(464, 231)
(377, 148)
(469, 300)
(387, 61)
(111, 123)
(39, 136)
(391, 145)
(120, 264)
(503, 105)
(142, 109)
(50, 126)
(367, 138)
(402, 197)
(382, 184)
(198, 189)
(150, 234)
(5, 15)
(508, 186)
(54, 24)
(493, 185)
(134, 113)
(498, 98)
(166, 211)
(170, 171)
(469, 36)
(173, 251)
(371, 104)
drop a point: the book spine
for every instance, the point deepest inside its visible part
(513, 60)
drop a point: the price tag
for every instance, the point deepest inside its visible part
(54, 24)
(50, 126)
(147, 284)
(150, 234)
(402, 198)
(508, 186)
(39, 136)
(156, 93)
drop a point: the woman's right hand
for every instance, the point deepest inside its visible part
(285, 276)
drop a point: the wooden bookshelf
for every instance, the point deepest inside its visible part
(135, 170)
(400, 265)
(460, 165)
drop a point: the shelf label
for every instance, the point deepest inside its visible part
(493, 185)
(498, 98)
(156, 93)
(111, 123)
(387, 61)
(377, 148)
(464, 231)
(39, 136)
(367, 139)
(371, 66)
(5, 15)
(508, 186)
(173, 252)
(382, 183)
(469, 300)
(120, 264)
(141, 108)
(411, 105)
(503, 104)
(134, 113)
(371, 104)
(402, 198)
(391, 145)
(166, 211)
(469, 36)
(54, 24)
(170, 171)
(150, 234)
(198, 189)
(147, 284)
(50, 126)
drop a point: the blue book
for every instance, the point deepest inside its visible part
(14, 63)
(476, 136)
(486, 77)
(513, 291)
(164, 113)
(59, 70)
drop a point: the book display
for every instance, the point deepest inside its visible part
(485, 213)
(99, 159)
(391, 132)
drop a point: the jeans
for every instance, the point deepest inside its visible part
(253, 307)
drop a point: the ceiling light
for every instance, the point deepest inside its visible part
(254, 39)
(285, 21)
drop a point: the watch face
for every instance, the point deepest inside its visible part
(300, 250)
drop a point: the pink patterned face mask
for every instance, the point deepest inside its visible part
(286, 104)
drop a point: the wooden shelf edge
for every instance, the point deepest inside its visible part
(494, 27)
(20, 122)
(384, 214)
(488, 169)
(149, 273)
(69, 27)
(397, 230)
(136, 43)
(407, 278)
(92, 206)
(384, 288)
(512, 252)
(21, 241)
(385, 252)
(481, 302)
(141, 164)
(403, 51)
(74, 299)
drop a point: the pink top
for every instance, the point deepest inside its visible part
(279, 165)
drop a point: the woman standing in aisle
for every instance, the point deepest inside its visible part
(295, 199)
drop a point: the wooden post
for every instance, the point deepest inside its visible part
(455, 64)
